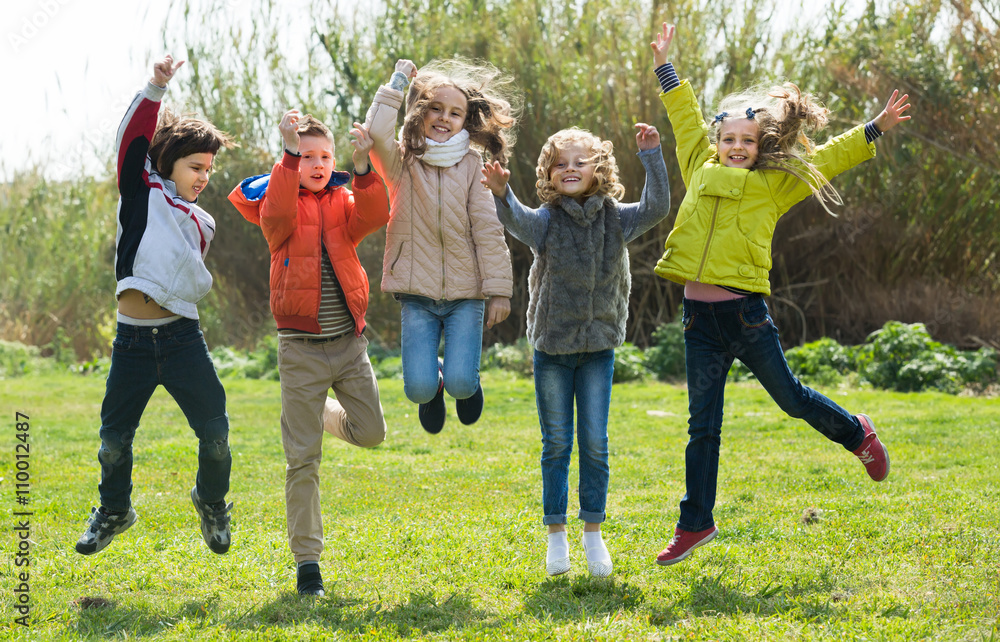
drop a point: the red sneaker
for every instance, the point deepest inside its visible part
(683, 543)
(872, 452)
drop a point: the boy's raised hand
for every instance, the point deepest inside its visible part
(163, 70)
(647, 137)
(892, 115)
(363, 144)
(662, 45)
(406, 67)
(495, 178)
(289, 128)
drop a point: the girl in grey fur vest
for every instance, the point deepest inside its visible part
(579, 288)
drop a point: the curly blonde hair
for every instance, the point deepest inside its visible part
(605, 166)
(784, 115)
(494, 104)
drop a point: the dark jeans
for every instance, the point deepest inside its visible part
(714, 335)
(176, 356)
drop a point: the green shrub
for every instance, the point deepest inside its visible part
(903, 357)
(822, 362)
(665, 358)
(17, 359)
(629, 364)
(517, 357)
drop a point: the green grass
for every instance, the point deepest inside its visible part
(440, 537)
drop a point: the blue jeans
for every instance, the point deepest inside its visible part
(714, 335)
(559, 379)
(175, 356)
(423, 322)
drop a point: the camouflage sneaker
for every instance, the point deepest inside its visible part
(214, 522)
(102, 528)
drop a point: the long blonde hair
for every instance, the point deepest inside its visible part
(784, 115)
(602, 155)
(494, 104)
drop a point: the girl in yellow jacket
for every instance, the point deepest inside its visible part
(445, 253)
(720, 249)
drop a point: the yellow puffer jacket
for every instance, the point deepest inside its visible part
(723, 231)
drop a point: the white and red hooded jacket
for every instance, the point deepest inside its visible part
(162, 239)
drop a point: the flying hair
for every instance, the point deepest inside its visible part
(785, 116)
(179, 136)
(494, 104)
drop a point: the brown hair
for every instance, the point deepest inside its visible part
(784, 115)
(310, 126)
(605, 166)
(179, 136)
(493, 106)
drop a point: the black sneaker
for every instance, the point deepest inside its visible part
(432, 413)
(309, 580)
(214, 522)
(102, 528)
(469, 410)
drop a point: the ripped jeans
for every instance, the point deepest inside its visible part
(175, 356)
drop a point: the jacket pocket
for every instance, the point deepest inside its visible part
(397, 256)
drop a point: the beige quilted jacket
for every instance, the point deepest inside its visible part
(443, 240)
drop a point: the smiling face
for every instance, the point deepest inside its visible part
(445, 114)
(317, 162)
(190, 174)
(572, 173)
(738, 142)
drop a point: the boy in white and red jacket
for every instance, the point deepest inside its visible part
(162, 238)
(319, 296)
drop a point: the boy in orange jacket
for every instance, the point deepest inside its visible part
(319, 296)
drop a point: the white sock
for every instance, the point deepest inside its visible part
(594, 545)
(558, 547)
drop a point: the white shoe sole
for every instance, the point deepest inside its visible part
(558, 566)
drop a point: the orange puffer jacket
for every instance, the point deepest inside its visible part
(294, 220)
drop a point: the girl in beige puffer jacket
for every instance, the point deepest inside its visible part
(445, 254)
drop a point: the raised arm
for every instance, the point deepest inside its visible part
(380, 121)
(525, 224)
(136, 130)
(654, 204)
(279, 210)
(690, 130)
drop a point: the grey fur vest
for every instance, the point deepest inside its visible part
(579, 282)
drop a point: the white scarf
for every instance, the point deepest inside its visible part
(447, 153)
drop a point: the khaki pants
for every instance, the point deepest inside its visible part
(308, 371)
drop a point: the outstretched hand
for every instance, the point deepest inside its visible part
(647, 137)
(363, 144)
(495, 178)
(163, 70)
(662, 45)
(892, 115)
(289, 128)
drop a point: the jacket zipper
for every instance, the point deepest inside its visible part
(441, 232)
(708, 242)
(399, 252)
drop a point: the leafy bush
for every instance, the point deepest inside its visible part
(629, 364)
(259, 363)
(517, 357)
(822, 362)
(665, 358)
(17, 359)
(903, 357)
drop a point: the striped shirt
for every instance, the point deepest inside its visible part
(334, 317)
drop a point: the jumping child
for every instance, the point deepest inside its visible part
(759, 165)
(444, 250)
(319, 296)
(163, 236)
(578, 305)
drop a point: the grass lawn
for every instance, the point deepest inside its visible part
(440, 537)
